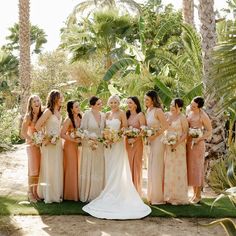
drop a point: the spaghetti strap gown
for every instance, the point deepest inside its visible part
(135, 155)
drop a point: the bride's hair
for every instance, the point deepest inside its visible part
(113, 97)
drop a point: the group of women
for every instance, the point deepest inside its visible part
(110, 179)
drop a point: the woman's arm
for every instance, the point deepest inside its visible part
(64, 131)
(207, 126)
(24, 128)
(124, 122)
(41, 121)
(142, 119)
(184, 125)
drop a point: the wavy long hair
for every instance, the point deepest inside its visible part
(52, 99)
(137, 103)
(70, 113)
(30, 109)
(155, 98)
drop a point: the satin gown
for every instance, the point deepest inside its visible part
(155, 193)
(71, 154)
(135, 155)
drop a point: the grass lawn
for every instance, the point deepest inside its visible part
(16, 206)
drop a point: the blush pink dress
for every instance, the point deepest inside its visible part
(195, 156)
(71, 167)
(33, 153)
(155, 163)
(135, 154)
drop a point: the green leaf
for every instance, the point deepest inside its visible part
(122, 64)
(226, 223)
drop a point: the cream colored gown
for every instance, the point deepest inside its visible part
(51, 171)
(92, 165)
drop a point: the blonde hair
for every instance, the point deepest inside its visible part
(113, 97)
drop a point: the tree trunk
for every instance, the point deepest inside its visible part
(216, 146)
(188, 11)
(24, 41)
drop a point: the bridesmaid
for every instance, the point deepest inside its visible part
(197, 118)
(175, 163)
(34, 111)
(135, 119)
(51, 172)
(155, 119)
(92, 163)
(71, 151)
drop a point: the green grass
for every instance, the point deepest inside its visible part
(13, 206)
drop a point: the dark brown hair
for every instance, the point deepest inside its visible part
(155, 98)
(69, 111)
(137, 103)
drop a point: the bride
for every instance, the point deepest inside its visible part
(119, 199)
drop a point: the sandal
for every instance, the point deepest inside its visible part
(31, 197)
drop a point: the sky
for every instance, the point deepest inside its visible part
(50, 15)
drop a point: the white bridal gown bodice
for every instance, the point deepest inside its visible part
(119, 199)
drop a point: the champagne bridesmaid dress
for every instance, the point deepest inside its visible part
(51, 172)
(71, 167)
(135, 155)
(155, 163)
(92, 165)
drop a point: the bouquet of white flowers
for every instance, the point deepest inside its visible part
(78, 133)
(131, 133)
(169, 138)
(37, 138)
(195, 133)
(147, 132)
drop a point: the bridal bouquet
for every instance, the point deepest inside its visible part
(195, 133)
(37, 138)
(147, 132)
(110, 136)
(169, 138)
(131, 133)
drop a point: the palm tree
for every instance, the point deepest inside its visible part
(188, 11)
(24, 40)
(216, 147)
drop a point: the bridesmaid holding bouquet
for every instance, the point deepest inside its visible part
(200, 129)
(134, 146)
(156, 120)
(51, 172)
(28, 131)
(71, 151)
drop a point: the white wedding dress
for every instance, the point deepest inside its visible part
(119, 199)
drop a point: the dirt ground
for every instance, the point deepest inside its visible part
(13, 181)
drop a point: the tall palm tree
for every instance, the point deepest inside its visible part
(188, 11)
(24, 40)
(215, 147)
